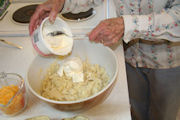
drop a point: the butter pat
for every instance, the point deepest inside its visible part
(72, 68)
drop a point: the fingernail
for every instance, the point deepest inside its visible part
(51, 20)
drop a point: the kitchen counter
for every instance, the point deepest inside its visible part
(115, 107)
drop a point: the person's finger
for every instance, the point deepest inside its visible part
(110, 37)
(105, 38)
(46, 14)
(53, 14)
(106, 35)
(35, 18)
(96, 31)
(114, 40)
(33, 23)
(38, 22)
(56, 7)
(100, 37)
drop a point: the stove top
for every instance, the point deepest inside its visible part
(79, 16)
(23, 15)
(81, 23)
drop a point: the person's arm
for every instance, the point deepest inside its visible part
(76, 6)
(164, 25)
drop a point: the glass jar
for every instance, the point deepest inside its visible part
(13, 97)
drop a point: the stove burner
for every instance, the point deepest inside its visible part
(79, 16)
(24, 14)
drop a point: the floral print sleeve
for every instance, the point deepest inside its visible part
(160, 25)
(76, 6)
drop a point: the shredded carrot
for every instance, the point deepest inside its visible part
(18, 102)
(6, 93)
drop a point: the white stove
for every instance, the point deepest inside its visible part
(8, 27)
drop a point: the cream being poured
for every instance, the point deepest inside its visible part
(60, 44)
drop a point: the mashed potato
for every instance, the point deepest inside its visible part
(62, 88)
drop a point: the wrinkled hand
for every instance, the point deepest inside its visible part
(108, 32)
(49, 8)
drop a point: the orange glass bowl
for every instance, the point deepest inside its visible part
(12, 92)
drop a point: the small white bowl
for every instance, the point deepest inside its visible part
(38, 41)
(96, 54)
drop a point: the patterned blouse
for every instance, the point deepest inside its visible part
(152, 30)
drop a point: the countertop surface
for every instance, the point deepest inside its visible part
(115, 107)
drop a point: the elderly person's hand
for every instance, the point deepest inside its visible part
(108, 32)
(49, 8)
